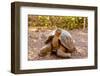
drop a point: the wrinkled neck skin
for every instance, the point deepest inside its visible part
(56, 36)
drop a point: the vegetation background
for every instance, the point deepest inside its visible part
(65, 22)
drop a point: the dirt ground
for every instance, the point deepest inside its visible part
(36, 40)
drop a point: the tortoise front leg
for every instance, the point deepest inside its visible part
(45, 50)
(61, 53)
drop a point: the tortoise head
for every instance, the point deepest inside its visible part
(58, 32)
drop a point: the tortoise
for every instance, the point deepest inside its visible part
(59, 41)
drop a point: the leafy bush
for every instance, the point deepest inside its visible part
(65, 22)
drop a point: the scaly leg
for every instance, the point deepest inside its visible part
(45, 50)
(61, 52)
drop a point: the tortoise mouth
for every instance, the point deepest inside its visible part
(58, 33)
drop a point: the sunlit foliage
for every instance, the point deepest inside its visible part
(65, 22)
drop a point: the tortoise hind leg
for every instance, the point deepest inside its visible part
(61, 53)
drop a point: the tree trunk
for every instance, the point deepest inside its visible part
(84, 25)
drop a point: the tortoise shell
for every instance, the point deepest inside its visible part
(65, 39)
